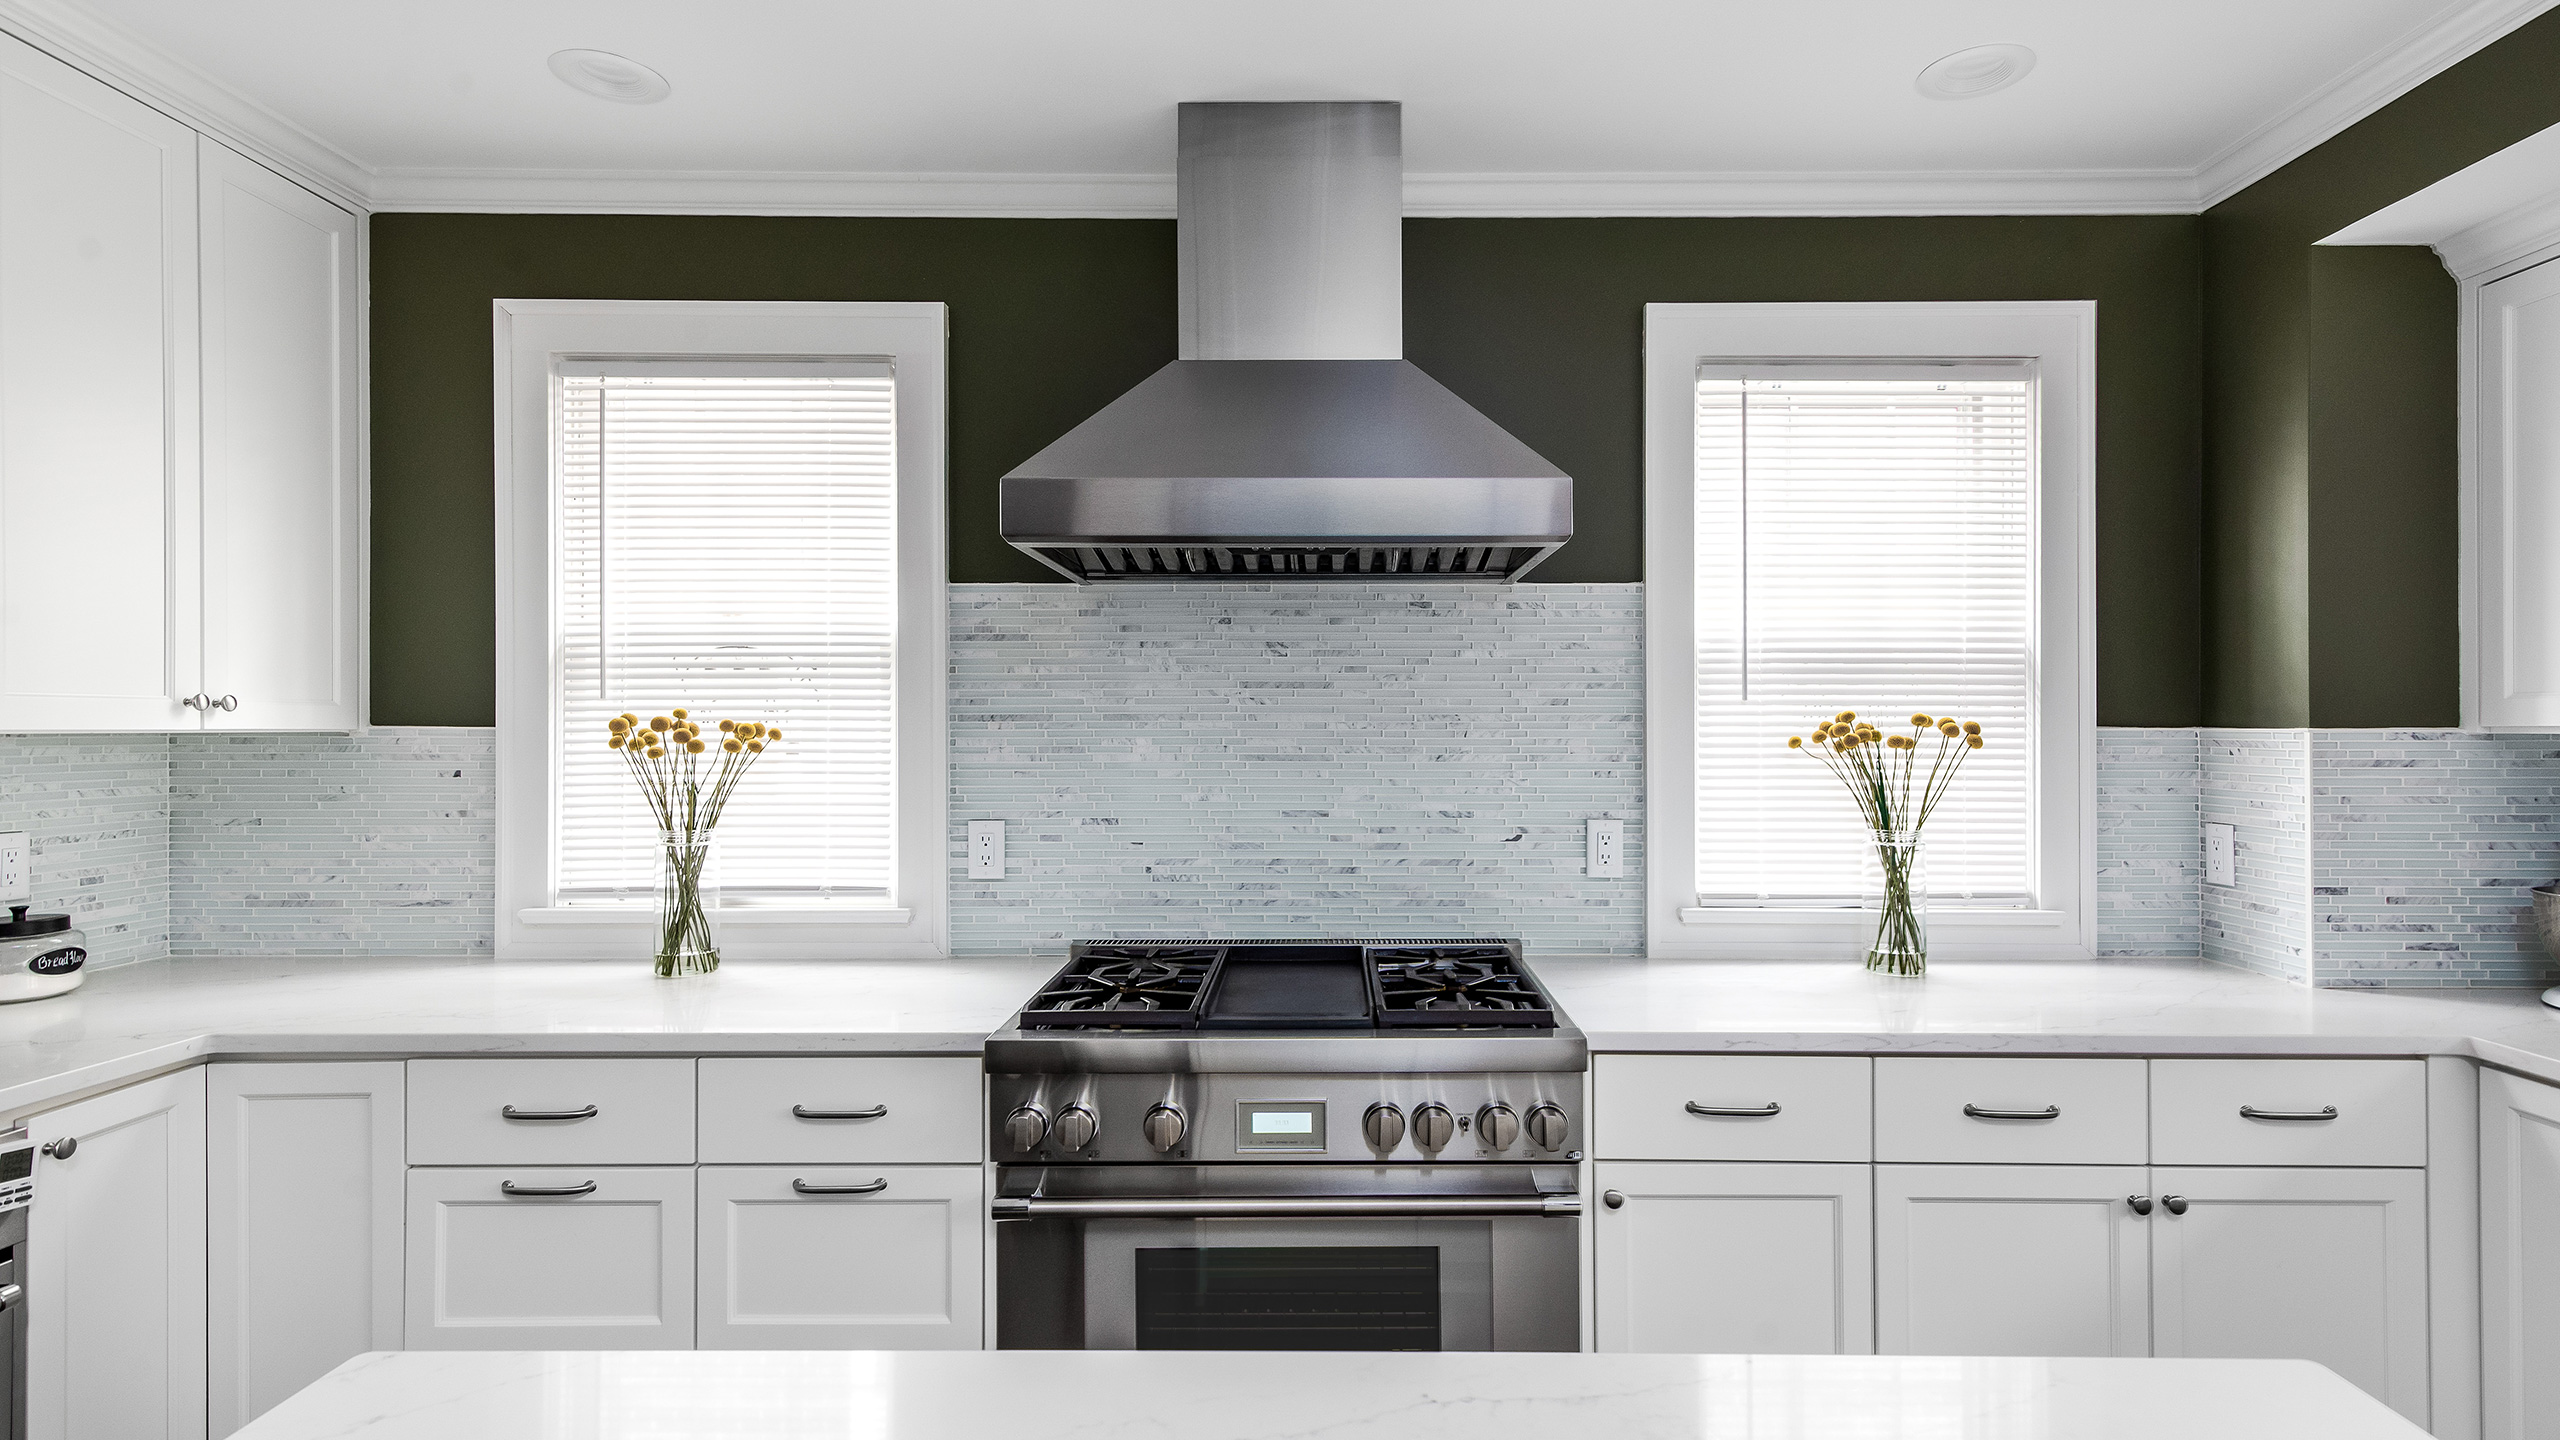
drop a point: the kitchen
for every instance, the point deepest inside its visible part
(1238, 584)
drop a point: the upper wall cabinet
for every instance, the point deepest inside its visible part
(283, 648)
(99, 592)
(2516, 501)
(180, 492)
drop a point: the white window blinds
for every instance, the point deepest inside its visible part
(1865, 541)
(727, 544)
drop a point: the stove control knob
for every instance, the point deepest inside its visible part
(1383, 1127)
(1164, 1126)
(1075, 1128)
(1432, 1126)
(1026, 1126)
(1547, 1127)
(1497, 1126)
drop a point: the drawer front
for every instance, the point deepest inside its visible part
(2005, 1111)
(883, 1109)
(1731, 1107)
(642, 1112)
(2302, 1112)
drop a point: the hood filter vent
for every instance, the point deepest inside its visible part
(1103, 563)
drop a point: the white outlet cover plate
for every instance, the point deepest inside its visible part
(14, 880)
(2221, 858)
(986, 849)
(1604, 848)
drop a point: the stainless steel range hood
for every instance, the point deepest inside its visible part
(1291, 440)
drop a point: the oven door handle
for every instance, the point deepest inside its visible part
(1284, 1207)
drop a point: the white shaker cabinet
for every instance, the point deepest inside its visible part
(2519, 1257)
(2012, 1260)
(116, 1346)
(2296, 1264)
(283, 544)
(100, 618)
(304, 1227)
(876, 1257)
(1749, 1259)
(590, 1257)
(2516, 502)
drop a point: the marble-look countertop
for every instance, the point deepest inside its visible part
(1140, 1395)
(132, 1021)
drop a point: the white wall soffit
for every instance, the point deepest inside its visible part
(114, 54)
(2481, 218)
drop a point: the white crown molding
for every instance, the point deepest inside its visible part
(708, 192)
(2526, 232)
(113, 54)
(2388, 74)
(1819, 192)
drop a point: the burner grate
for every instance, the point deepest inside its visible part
(1148, 986)
(1469, 986)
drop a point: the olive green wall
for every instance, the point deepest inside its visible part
(2330, 565)
(1539, 322)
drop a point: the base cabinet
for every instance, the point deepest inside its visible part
(303, 1227)
(2519, 1258)
(1744, 1259)
(2296, 1264)
(879, 1257)
(116, 1245)
(2011, 1260)
(534, 1258)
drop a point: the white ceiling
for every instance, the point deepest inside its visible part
(2143, 98)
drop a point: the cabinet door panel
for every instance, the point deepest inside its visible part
(281, 499)
(2011, 1260)
(2519, 1257)
(1737, 1259)
(304, 1193)
(99, 626)
(2518, 512)
(900, 1268)
(115, 1348)
(2297, 1264)
(608, 1269)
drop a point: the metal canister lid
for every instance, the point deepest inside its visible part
(22, 923)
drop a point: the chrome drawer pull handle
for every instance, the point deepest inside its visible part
(1746, 1112)
(803, 1187)
(583, 1112)
(805, 1113)
(509, 1187)
(2050, 1112)
(2252, 1112)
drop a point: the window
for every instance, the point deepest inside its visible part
(1881, 508)
(735, 508)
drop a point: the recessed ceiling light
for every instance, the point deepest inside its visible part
(608, 76)
(1978, 71)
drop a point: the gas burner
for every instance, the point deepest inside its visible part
(1457, 985)
(1125, 985)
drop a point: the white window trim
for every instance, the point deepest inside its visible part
(2060, 336)
(913, 922)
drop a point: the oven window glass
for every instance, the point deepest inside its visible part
(1289, 1297)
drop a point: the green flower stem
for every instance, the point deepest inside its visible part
(1901, 944)
(684, 931)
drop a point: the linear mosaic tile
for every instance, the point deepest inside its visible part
(2150, 851)
(95, 809)
(2258, 781)
(378, 844)
(2425, 843)
(1258, 759)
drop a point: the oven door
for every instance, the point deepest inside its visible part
(1287, 1257)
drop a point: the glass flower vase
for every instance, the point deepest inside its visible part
(1898, 893)
(687, 895)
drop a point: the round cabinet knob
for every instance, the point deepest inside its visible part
(1432, 1126)
(62, 1149)
(1547, 1127)
(1383, 1127)
(1026, 1126)
(1497, 1126)
(1164, 1126)
(1075, 1128)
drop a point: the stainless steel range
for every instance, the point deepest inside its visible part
(1288, 1145)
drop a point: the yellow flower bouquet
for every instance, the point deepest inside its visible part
(687, 775)
(1895, 797)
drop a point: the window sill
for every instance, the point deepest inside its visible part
(1834, 918)
(608, 915)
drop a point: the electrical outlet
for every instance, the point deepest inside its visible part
(13, 867)
(2221, 863)
(986, 849)
(1603, 846)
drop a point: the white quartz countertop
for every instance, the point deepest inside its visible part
(1143, 1395)
(131, 1021)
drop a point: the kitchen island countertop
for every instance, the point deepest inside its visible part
(1211, 1395)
